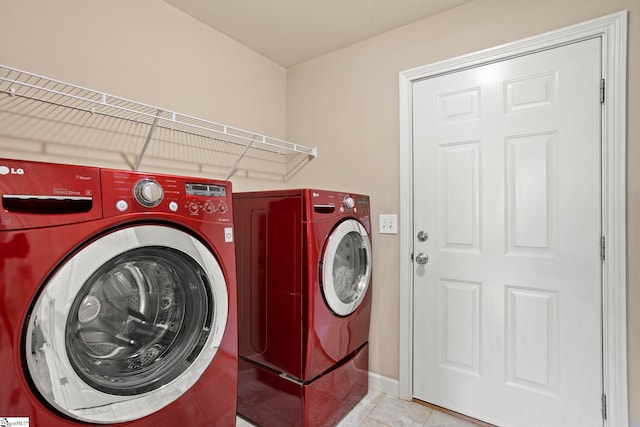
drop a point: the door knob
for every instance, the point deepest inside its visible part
(421, 258)
(422, 236)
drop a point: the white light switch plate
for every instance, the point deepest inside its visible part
(388, 224)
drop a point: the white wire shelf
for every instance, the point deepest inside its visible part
(48, 111)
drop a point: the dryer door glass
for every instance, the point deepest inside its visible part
(346, 267)
(127, 324)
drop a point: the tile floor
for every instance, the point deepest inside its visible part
(379, 410)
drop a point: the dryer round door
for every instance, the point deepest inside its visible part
(346, 267)
(127, 325)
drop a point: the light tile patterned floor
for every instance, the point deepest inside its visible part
(380, 410)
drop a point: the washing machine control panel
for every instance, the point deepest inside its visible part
(133, 192)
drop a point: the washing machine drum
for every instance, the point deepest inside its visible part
(346, 267)
(127, 325)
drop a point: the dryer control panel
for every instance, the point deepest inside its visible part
(324, 202)
(134, 192)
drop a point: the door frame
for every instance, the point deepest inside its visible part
(613, 31)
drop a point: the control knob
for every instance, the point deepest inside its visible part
(208, 207)
(193, 207)
(148, 193)
(349, 203)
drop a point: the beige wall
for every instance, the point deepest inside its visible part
(147, 51)
(346, 103)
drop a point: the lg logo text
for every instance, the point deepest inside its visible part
(4, 170)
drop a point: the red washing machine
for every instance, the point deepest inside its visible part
(117, 298)
(304, 304)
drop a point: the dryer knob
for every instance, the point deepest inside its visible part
(148, 193)
(349, 203)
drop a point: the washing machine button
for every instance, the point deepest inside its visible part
(122, 205)
(173, 206)
(208, 207)
(193, 207)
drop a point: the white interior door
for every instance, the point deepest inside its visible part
(507, 308)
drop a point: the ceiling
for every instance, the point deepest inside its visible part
(292, 31)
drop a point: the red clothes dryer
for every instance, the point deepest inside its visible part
(304, 272)
(117, 298)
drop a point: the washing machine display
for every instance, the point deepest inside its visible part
(145, 322)
(346, 267)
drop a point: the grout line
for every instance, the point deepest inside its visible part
(452, 413)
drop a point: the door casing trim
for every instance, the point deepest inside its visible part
(613, 31)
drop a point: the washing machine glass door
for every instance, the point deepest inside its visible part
(127, 325)
(346, 267)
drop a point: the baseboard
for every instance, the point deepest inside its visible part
(384, 384)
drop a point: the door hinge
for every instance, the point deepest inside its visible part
(604, 406)
(601, 91)
(602, 248)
